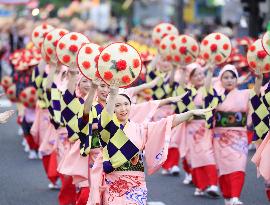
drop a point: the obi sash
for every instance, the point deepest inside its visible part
(230, 119)
(135, 164)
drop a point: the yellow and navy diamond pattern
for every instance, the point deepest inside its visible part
(117, 148)
(186, 103)
(260, 114)
(39, 81)
(211, 99)
(163, 89)
(70, 108)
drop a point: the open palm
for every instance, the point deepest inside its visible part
(6, 115)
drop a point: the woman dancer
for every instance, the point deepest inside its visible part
(123, 142)
(229, 130)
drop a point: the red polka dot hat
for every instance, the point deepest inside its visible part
(215, 48)
(119, 61)
(50, 43)
(68, 47)
(87, 60)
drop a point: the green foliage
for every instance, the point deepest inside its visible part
(117, 9)
(57, 3)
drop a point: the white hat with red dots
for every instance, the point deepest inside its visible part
(68, 47)
(162, 30)
(120, 62)
(50, 43)
(258, 58)
(216, 48)
(165, 47)
(39, 33)
(87, 59)
(185, 50)
(28, 97)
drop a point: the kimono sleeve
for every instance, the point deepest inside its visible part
(157, 143)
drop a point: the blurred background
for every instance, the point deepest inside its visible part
(104, 21)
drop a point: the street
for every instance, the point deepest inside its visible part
(23, 181)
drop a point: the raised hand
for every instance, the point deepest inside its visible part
(6, 115)
(177, 98)
(114, 86)
(200, 112)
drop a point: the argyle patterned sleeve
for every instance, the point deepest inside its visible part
(186, 103)
(85, 131)
(117, 148)
(211, 100)
(38, 81)
(260, 114)
(70, 108)
(163, 89)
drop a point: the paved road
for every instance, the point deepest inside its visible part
(23, 182)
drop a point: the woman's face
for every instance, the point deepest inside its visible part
(228, 80)
(103, 91)
(197, 79)
(84, 86)
(122, 108)
(164, 65)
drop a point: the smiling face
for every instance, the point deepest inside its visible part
(103, 91)
(84, 86)
(228, 80)
(163, 65)
(197, 78)
(122, 108)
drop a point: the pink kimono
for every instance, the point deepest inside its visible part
(261, 159)
(230, 144)
(129, 187)
(199, 140)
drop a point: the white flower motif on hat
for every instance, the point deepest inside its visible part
(121, 62)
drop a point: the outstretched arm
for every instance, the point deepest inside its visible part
(5, 116)
(91, 94)
(180, 118)
(209, 76)
(258, 81)
(169, 100)
(112, 97)
(139, 88)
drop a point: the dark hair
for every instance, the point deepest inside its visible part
(192, 73)
(233, 73)
(126, 97)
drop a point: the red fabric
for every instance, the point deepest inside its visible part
(82, 196)
(205, 176)
(250, 136)
(267, 191)
(172, 158)
(231, 185)
(19, 120)
(47, 162)
(186, 166)
(31, 143)
(67, 194)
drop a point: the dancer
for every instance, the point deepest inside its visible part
(123, 142)
(228, 123)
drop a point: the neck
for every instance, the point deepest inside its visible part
(102, 102)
